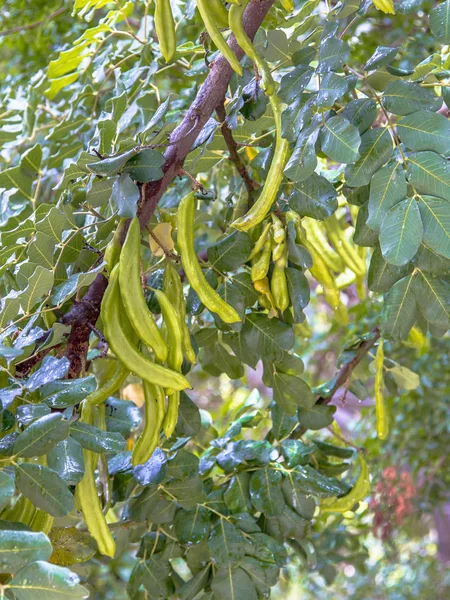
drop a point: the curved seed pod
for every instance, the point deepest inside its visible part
(260, 267)
(216, 36)
(219, 12)
(343, 247)
(112, 385)
(259, 244)
(380, 404)
(358, 492)
(205, 292)
(154, 416)
(172, 323)
(165, 29)
(123, 347)
(132, 295)
(171, 418)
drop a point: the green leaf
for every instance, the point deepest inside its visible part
(18, 548)
(308, 480)
(433, 298)
(303, 504)
(189, 422)
(40, 283)
(282, 423)
(145, 166)
(229, 584)
(60, 394)
(332, 87)
(6, 490)
(44, 488)
(364, 235)
(333, 54)
(425, 130)
(315, 197)
(405, 378)
(383, 55)
(53, 224)
(403, 98)
(296, 452)
(290, 392)
(316, 417)
(50, 582)
(192, 526)
(125, 195)
(188, 492)
(400, 309)
(231, 251)
(238, 291)
(387, 188)
(15, 177)
(361, 113)
(261, 337)
(95, 439)
(440, 22)
(429, 173)
(113, 165)
(100, 191)
(293, 83)
(61, 293)
(237, 494)
(71, 546)
(66, 459)
(382, 275)
(375, 150)
(265, 492)
(42, 435)
(299, 292)
(340, 140)
(190, 589)
(401, 232)
(435, 215)
(51, 368)
(226, 544)
(303, 160)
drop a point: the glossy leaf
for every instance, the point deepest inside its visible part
(376, 148)
(387, 188)
(44, 488)
(401, 232)
(340, 140)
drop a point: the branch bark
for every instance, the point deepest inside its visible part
(235, 157)
(182, 139)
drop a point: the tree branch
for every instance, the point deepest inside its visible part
(20, 28)
(235, 157)
(181, 141)
(344, 374)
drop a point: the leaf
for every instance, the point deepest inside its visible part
(95, 439)
(192, 526)
(40, 283)
(49, 582)
(64, 291)
(400, 309)
(405, 378)
(60, 394)
(113, 165)
(66, 459)
(53, 225)
(316, 417)
(44, 488)
(403, 98)
(340, 140)
(153, 471)
(231, 584)
(315, 197)
(308, 480)
(231, 251)
(226, 544)
(382, 275)
(282, 423)
(30, 161)
(145, 166)
(383, 55)
(71, 546)
(299, 292)
(401, 232)
(425, 130)
(290, 392)
(18, 548)
(296, 452)
(122, 416)
(361, 113)
(332, 87)
(261, 337)
(265, 492)
(433, 298)
(333, 54)
(376, 148)
(190, 589)
(440, 22)
(387, 188)
(303, 160)
(435, 215)
(42, 435)
(7, 488)
(430, 173)
(188, 492)
(51, 368)
(237, 495)
(189, 422)
(294, 82)
(100, 191)
(162, 233)
(125, 194)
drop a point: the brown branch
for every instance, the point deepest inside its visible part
(344, 374)
(181, 141)
(20, 28)
(235, 157)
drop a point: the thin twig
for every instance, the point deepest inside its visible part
(20, 28)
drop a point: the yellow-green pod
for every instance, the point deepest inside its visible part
(380, 404)
(259, 244)
(109, 387)
(171, 416)
(165, 29)
(261, 266)
(154, 416)
(358, 492)
(174, 333)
